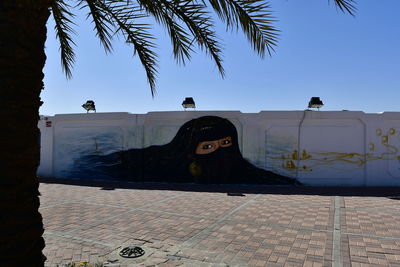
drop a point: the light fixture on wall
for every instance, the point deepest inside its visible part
(89, 105)
(315, 102)
(188, 103)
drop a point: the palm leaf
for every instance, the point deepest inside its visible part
(199, 22)
(123, 16)
(62, 18)
(102, 23)
(179, 37)
(187, 22)
(346, 6)
(255, 19)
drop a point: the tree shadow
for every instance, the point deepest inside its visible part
(234, 189)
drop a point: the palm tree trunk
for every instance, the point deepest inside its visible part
(22, 58)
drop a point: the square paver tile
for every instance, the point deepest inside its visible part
(265, 244)
(60, 251)
(69, 216)
(287, 215)
(372, 203)
(209, 206)
(69, 192)
(131, 198)
(147, 226)
(371, 223)
(371, 251)
(299, 200)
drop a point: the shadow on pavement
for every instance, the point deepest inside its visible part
(234, 189)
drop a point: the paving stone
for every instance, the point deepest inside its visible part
(209, 227)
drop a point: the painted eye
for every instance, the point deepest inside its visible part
(226, 142)
(208, 146)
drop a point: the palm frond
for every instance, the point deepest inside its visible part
(62, 18)
(346, 6)
(180, 39)
(123, 16)
(199, 22)
(186, 21)
(102, 22)
(255, 19)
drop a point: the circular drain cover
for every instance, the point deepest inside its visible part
(131, 252)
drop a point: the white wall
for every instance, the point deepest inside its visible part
(317, 147)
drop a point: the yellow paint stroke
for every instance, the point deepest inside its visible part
(305, 155)
(355, 158)
(295, 155)
(392, 151)
(289, 165)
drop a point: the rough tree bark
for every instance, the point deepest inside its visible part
(22, 58)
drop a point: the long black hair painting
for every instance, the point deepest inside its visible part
(204, 150)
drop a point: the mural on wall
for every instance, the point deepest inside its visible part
(72, 142)
(204, 150)
(325, 150)
(283, 152)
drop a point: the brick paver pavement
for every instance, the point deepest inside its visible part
(198, 225)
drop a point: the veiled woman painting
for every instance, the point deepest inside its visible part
(204, 150)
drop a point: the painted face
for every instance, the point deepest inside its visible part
(207, 147)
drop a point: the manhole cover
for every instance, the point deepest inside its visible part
(131, 252)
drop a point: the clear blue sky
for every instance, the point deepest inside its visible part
(352, 63)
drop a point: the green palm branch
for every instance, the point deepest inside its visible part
(188, 23)
(346, 6)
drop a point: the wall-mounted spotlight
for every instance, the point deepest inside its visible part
(315, 102)
(89, 105)
(188, 103)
